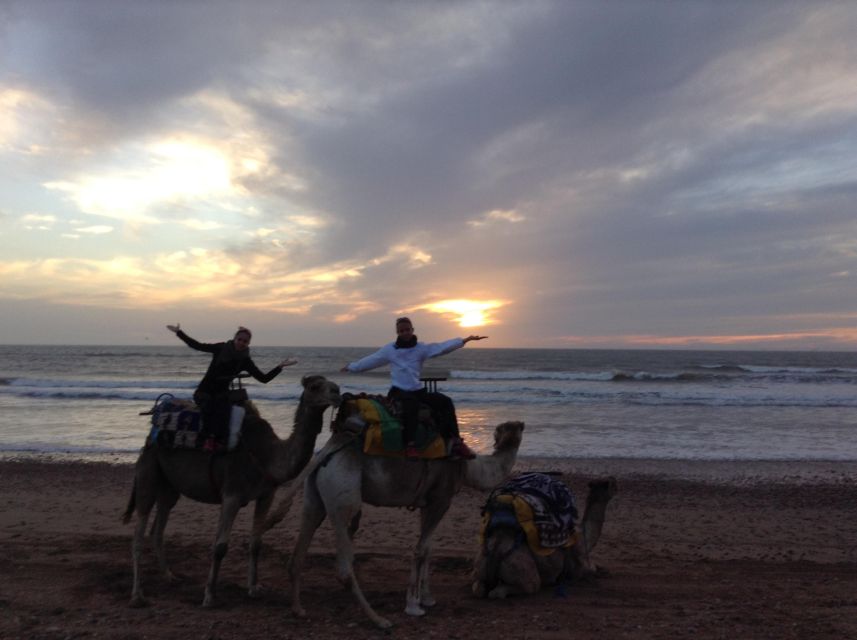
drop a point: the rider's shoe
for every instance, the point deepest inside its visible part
(460, 451)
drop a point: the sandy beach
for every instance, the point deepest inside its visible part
(703, 550)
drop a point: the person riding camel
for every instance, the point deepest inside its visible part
(405, 357)
(228, 360)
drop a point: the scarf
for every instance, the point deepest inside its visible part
(406, 344)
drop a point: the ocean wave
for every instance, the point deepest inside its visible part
(57, 383)
(816, 371)
(725, 368)
(147, 394)
(583, 376)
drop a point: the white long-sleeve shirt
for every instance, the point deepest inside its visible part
(405, 364)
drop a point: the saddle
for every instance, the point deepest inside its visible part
(178, 424)
(540, 505)
(382, 433)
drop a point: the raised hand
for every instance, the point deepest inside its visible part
(175, 328)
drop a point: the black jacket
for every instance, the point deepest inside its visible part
(226, 363)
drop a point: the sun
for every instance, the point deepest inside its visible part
(468, 313)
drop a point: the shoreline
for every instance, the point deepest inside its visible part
(713, 471)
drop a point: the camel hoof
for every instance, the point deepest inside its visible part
(497, 594)
(415, 610)
(208, 602)
(299, 612)
(383, 623)
(138, 602)
(428, 601)
(256, 591)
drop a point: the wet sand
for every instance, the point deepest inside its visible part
(703, 550)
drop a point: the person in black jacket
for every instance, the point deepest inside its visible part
(228, 360)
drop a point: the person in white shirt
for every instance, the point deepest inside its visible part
(405, 357)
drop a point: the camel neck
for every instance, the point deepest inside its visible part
(295, 451)
(487, 472)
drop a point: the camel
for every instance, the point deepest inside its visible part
(252, 472)
(341, 478)
(506, 565)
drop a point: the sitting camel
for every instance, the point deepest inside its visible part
(251, 472)
(341, 478)
(507, 565)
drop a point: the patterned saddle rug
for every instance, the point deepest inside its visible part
(178, 424)
(382, 434)
(542, 506)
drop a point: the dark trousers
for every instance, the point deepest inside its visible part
(442, 411)
(215, 410)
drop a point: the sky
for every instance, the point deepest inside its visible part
(551, 174)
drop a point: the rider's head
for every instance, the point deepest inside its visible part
(242, 338)
(404, 328)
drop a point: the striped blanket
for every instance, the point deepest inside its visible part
(542, 504)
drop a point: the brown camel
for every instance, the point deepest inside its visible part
(341, 478)
(253, 471)
(506, 565)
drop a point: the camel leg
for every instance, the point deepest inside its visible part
(137, 598)
(263, 504)
(147, 488)
(517, 574)
(481, 570)
(419, 589)
(345, 563)
(228, 510)
(312, 515)
(167, 499)
(342, 508)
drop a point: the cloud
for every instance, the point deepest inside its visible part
(604, 169)
(495, 216)
(98, 229)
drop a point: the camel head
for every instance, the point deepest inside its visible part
(487, 472)
(320, 392)
(508, 435)
(601, 491)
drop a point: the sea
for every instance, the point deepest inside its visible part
(84, 402)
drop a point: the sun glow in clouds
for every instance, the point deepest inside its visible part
(469, 313)
(167, 171)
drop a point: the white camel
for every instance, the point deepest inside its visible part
(342, 478)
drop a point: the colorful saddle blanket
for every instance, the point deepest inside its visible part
(178, 424)
(541, 505)
(383, 432)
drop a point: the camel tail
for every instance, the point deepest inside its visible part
(132, 504)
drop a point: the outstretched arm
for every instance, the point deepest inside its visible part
(193, 344)
(265, 378)
(373, 360)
